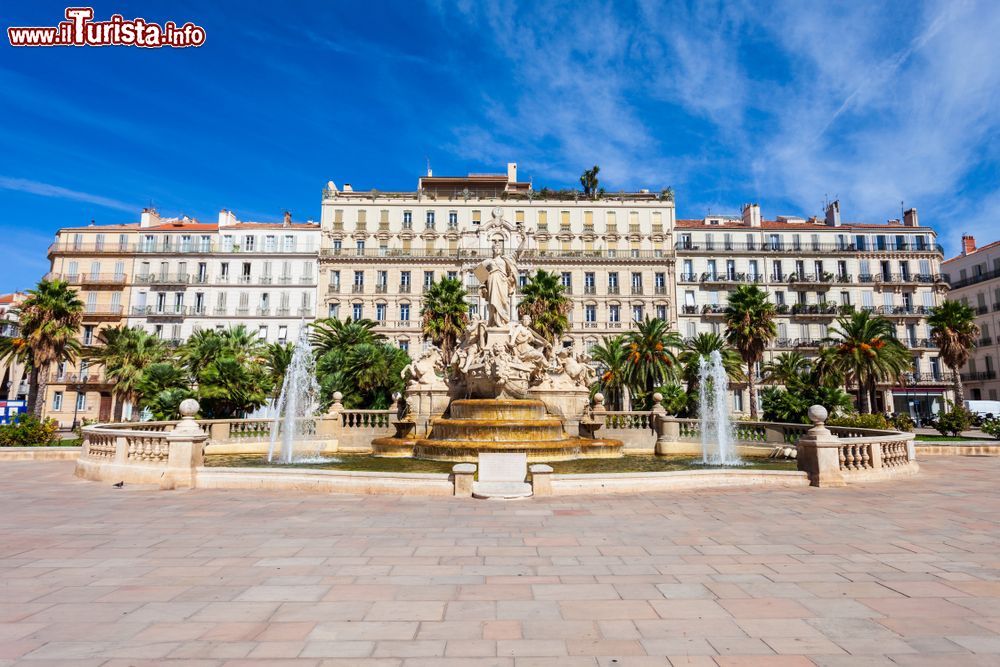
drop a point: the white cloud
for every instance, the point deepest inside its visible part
(59, 192)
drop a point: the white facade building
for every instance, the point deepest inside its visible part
(191, 276)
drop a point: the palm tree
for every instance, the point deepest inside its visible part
(954, 331)
(611, 357)
(49, 321)
(543, 299)
(278, 358)
(749, 328)
(866, 351)
(125, 352)
(160, 388)
(334, 334)
(786, 368)
(703, 345)
(445, 314)
(589, 181)
(651, 361)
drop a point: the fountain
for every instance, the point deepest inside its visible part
(506, 389)
(717, 442)
(297, 401)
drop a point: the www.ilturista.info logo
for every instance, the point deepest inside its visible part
(79, 29)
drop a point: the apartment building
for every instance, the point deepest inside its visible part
(381, 250)
(974, 276)
(13, 375)
(191, 275)
(816, 269)
(98, 262)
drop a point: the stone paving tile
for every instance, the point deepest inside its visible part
(897, 573)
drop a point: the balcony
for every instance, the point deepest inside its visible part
(939, 379)
(637, 290)
(978, 376)
(796, 343)
(902, 311)
(163, 279)
(687, 278)
(404, 288)
(90, 279)
(589, 289)
(86, 378)
(908, 278)
(815, 310)
(713, 309)
(99, 312)
(333, 289)
(357, 289)
(723, 278)
(91, 248)
(689, 310)
(981, 310)
(660, 290)
(381, 289)
(263, 311)
(613, 289)
(685, 246)
(984, 341)
(811, 279)
(153, 313)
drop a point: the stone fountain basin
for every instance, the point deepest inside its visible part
(468, 451)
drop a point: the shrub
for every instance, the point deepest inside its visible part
(860, 421)
(29, 431)
(902, 422)
(954, 421)
(991, 426)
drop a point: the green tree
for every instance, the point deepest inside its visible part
(611, 357)
(160, 388)
(125, 352)
(954, 331)
(703, 345)
(49, 322)
(786, 368)
(278, 357)
(589, 181)
(866, 351)
(651, 360)
(543, 299)
(445, 315)
(749, 328)
(229, 370)
(334, 334)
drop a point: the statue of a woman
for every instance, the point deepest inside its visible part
(499, 277)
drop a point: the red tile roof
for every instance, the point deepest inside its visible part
(985, 247)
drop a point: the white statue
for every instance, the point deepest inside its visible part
(576, 367)
(423, 372)
(528, 345)
(498, 276)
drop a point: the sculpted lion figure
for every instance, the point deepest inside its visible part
(423, 372)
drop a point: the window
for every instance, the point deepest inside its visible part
(81, 401)
(357, 311)
(430, 219)
(614, 313)
(407, 219)
(270, 243)
(428, 279)
(637, 283)
(359, 281)
(567, 280)
(88, 334)
(333, 311)
(737, 401)
(453, 219)
(404, 312)
(360, 247)
(637, 313)
(57, 401)
(660, 282)
(589, 282)
(590, 313)
(613, 282)
(248, 242)
(282, 334)
(661, 312)
(380, 312)
(404, 344)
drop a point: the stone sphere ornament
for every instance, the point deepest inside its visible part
(817, 415)
(188, 408)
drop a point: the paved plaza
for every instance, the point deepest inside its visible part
(904, 572)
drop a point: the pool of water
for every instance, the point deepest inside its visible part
(628, 463)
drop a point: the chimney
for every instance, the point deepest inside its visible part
(287, 220)
(910, 218)
(150, 218)
(968, 243)
(227, 218)
(348, 188)
(833, 214)
(751, 215)
(512, 172)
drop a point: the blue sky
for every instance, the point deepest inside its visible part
(786, 104)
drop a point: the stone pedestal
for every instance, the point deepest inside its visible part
(819, 452)
(426, 405)
(569, 404)
(464, 474)
(187, 449)
(541, 479)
